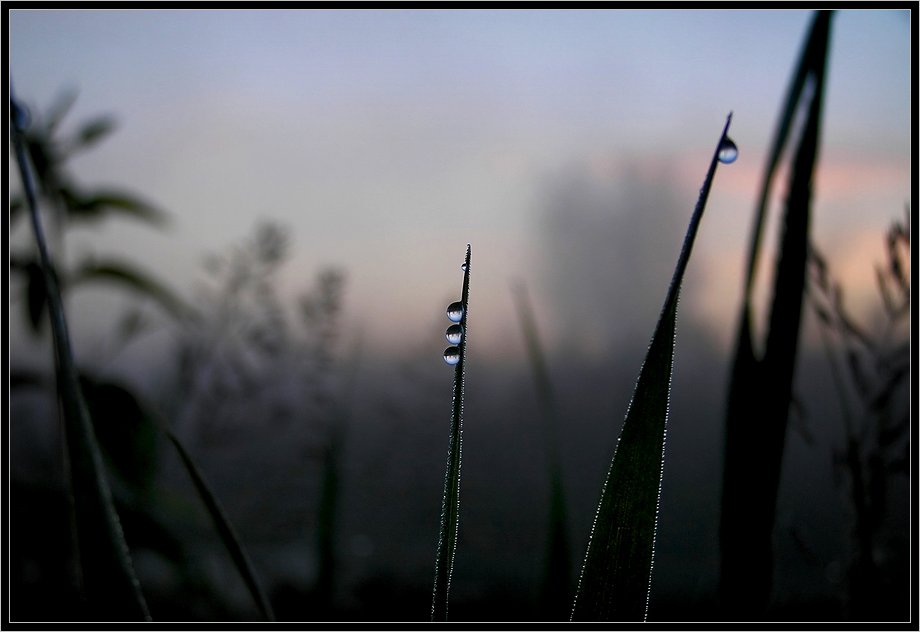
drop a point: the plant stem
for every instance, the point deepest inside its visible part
(103, 557)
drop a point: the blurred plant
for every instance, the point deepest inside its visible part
(108, 428)
(556, 588)
(321, 313)
(106, 570)
(874, 370)
(232, 349)
(245, 357)
(68, 203)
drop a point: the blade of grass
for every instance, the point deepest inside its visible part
(761, 388)
(224, 528)
(615, 579)
(450, 504)
(814, 50)
(555, 589)
(107, 572)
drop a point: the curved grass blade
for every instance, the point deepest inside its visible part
(450, 504)
(616, 576)
(123, 273)
(813, 55)
(555, 589)
(103, 203)
(227, 534)
(761, 387)
(107, 572)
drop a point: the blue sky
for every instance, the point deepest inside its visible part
(386, 140)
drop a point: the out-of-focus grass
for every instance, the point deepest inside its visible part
(227, 533)
(555, 589)
(761, 382)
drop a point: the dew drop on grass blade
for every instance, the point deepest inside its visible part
(450, 505)
(616, 575)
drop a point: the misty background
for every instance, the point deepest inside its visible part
(368, 148)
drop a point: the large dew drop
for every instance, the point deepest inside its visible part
(455, 312)
(452, 355)
(728, 151)
(454, 334)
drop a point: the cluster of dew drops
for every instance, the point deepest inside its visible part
(454, 332)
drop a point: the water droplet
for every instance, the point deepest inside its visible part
(452, 355)
(455, 312)
(463, 266)
(454, 334)
(728, 151)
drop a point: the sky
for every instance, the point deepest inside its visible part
(386, 140)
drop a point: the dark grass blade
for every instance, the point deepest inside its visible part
(616, 576)
(813, 54)
(107, 572)
(224, 528)
(761, 388)
(326, 518)
(556, 587)
(450, 507)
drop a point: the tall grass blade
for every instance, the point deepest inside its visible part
(450, 505)
(761, 387)
(107, 572)
(814, 51)
(224, 528)
(555, 588)
(616, 575)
